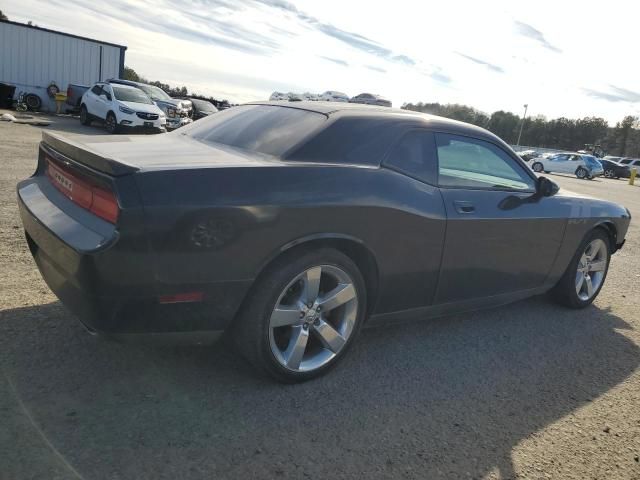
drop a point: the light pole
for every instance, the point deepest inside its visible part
(526, 105)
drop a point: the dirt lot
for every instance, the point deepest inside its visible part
(529, 390)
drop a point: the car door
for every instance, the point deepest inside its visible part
(103, 102)
(500, 237)
(92, 98)
(558, 163)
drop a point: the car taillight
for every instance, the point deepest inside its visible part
(84, 192)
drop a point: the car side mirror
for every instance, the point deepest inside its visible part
(546, 187)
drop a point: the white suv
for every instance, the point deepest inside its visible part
(120, 107)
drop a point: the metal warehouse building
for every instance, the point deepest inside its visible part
(31, 58)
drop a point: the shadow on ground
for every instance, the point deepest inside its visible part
(445, 398)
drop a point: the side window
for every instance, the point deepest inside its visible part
(469, 163)
(96, 89)
(106, 92)
(560, 158)
(414, 155)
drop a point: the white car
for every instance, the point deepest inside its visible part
(120, 107)
(333, 96)
(578, 164)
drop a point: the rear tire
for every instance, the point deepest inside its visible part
(111, 124)
(285, 287)
(609, 173)
(85, 118)
(586, 273)
(581, 173)
(537, 167)
(33, 102)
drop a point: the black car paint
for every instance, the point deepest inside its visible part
(216, 220)
(619, 170)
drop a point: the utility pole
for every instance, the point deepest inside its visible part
(526, 105)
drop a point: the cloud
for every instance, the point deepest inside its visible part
(336, 60)
(376, 69)
(527, 30)
(490, 66)
(352, 39)
(203, 29)
(615, 94)
(440, 77)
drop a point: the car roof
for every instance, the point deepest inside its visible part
(418, 119)
(123, 85)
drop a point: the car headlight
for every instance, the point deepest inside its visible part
(126, 110)
(171, 112)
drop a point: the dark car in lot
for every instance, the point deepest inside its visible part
(371, 99)
(614, 169)
(291, 225)
(201, 108)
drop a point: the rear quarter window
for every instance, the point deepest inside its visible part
(267, 129)
(349, 140)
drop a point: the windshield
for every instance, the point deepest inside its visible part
(155, 93)
(203, 105)
(130, 95)
(259, 128)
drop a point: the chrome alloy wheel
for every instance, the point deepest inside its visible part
(313, 318)
(591, 269)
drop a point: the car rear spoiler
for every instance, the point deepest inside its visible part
(84, 154)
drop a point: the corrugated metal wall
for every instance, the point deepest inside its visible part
(31, 59)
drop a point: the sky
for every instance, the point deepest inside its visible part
(562, 58)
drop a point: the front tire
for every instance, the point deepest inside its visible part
(537, 167)
(609, 173)
(111, 124)
(85, 118)
(302, 315)
(586, 273)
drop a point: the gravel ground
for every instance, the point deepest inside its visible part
(530, 390)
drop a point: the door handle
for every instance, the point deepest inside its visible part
(464, 207)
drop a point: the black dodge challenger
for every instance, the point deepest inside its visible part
(291, 226)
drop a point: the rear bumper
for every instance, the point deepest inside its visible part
(105, 282)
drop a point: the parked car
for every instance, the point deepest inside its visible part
(582, 166)
(612, 158)
(309, 97)
(527, 155)
(334, 96)
(278, 96)
(201, 108)
(177, 111)
(74, 96)
(614, 169)
(371, 99)
(272, 221)
(120, 107)
(631, 163)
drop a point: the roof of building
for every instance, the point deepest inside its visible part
(35, 27)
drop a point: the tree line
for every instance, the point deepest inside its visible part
(562, 133)
(130, 74)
